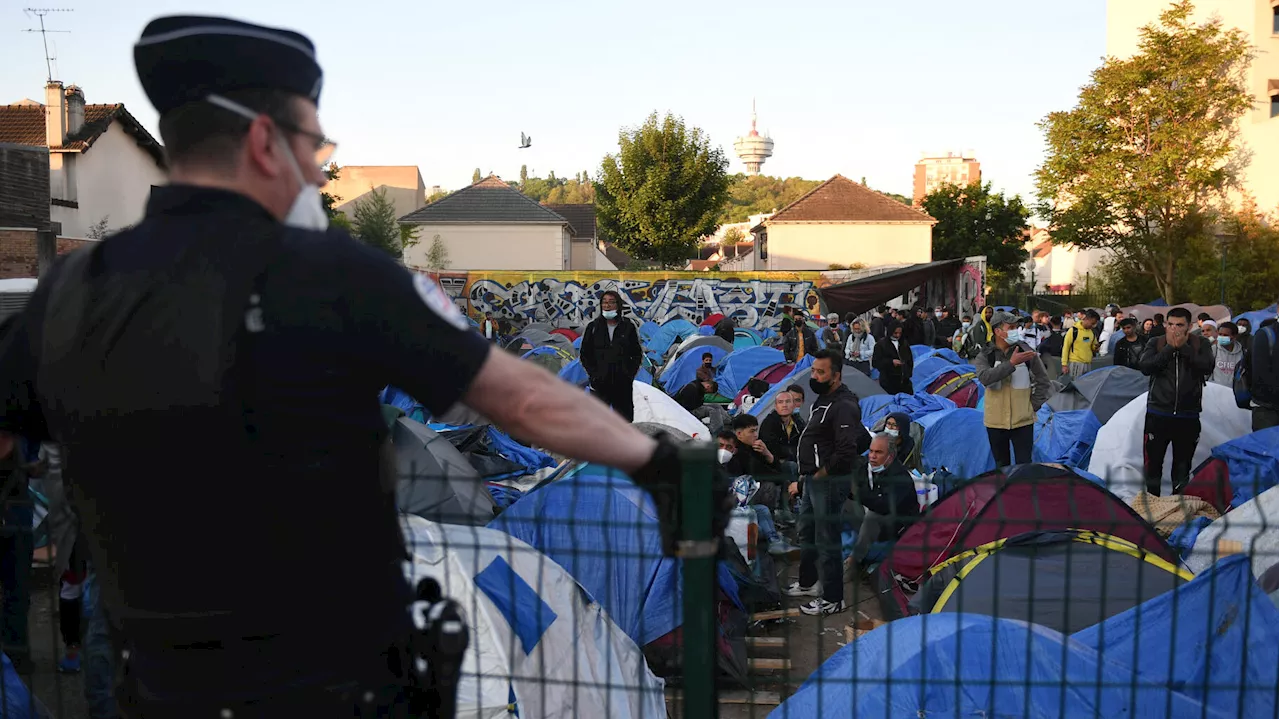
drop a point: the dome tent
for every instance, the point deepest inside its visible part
(858, 383)
(434, 479)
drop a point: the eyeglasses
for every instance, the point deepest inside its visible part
(324, 147)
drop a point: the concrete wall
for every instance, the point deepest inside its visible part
(405, 200)
(405, 187)
(113, 179)
(495, 247)
(816, 246)
(1258, 130)
(583, 255)
(24, 186)
(18, 251)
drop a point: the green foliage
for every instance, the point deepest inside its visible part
(437, 196)
(553, 190)
(329, 199)
(753, 195)
(900, 198)
(1138, 164)
(375, 224)
(476, 176)
(437, 255)
(732, 236)
(974, 220)
(524, 174)
(662, 191)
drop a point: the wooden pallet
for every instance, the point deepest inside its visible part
(766, 642)
(775, 614)
(768, 664)
(736, 697)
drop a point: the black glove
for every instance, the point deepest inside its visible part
(661, 477)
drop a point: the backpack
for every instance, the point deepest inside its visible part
(1241, 380)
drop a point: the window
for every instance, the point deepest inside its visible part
(1275, 19)
(763, 240)
(1275, 104)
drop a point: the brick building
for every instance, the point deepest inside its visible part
(951, 168)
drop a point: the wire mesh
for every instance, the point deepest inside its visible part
(1035, 591)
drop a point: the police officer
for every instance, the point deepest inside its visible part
(212, 375)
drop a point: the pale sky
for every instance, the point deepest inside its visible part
(853, 87)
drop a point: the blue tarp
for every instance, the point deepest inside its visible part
(706, 330)
(684, 368)
(603, 530)
(1183, 539)
(741, 365)
(527, 457)
(1158, 302)
(968, 665)
(1256, 317)
(401, 400)
(934, 368)
(915, 405)
(764, 405)
(1065, 437)
(918, 351)
(666, 335)
(1253, 463)
(18, 702)
(956, 441)
(577, 344)
(574, 374)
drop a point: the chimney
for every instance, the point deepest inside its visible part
(55, 114)
(75, 109)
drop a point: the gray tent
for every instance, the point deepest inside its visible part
(1104, 391)
(434, 480)
(538, 338)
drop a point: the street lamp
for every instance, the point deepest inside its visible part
(1031, 283)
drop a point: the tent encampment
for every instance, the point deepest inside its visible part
(698, 343)
(740, 365)
(955, 444)
(1256, 317)
(858, 383)
(771, 375)
(744, 337)
(1029, 498)
(538, 646)
(1118, 449)
(661, 339)
(915, 406)
(553, 359)
(1249, 529)
(1068, 424)
(1066, 580)
(1238, 470)
(682, 368)
(1102, 391)
(573, 373)
(434, 480)
(653, 405)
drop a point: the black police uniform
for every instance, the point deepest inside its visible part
(213, 378)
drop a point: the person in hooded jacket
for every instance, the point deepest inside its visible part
(898, 427)
(894, 360)
(859, 348)
(1227, 353)
(611, 355)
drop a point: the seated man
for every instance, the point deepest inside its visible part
(886, 499)
(751, 455)
(781, 428)
(730, 448)
(691, 395)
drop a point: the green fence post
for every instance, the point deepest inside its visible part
(698, 550)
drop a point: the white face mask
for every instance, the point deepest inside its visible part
(610, 314)
(723, 455)
(891, 431)
(876, 470)
(1244, 329)
(1014, 336)
(966, 325)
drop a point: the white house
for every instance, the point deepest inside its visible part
(491, 226)
(842, 222)
(102, 161)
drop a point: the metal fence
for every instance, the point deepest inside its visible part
(1031, 592)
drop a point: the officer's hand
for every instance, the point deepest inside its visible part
(661, 477)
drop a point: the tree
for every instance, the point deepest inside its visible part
(437, 196)
(662, 191)
(375, 223)
(524, 174)
(437, 255)
(732, 238)
(974, 220)
(1139, 164)
(99, 229)
(756, 194)
(476, 176)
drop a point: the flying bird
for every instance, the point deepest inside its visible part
(525, 141)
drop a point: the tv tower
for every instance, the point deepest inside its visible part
(753, 149)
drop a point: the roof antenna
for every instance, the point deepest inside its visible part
(40, 12)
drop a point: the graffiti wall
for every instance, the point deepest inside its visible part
(571, 299)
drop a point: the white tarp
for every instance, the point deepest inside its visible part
(541, 638)
(653, 405)
(1117, 452)
(1253, 525)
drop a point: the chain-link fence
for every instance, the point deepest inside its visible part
(1036, 591)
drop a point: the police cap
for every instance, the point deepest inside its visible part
(185, 58)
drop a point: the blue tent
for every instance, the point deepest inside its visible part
(915, 405)
(401, 400)
(684, 368)
(604, 530)
(1205, 649)
(918, 351)
(667, 335)
(706, 330)
(740, 365)
(1158, 302)
(744, 337)
(16, 701)
(764, 405)
(647, 330)
(955, 444)
(574, 374)
(1253, 463)
(1065, 436)
(1256, 317)
(968, 665)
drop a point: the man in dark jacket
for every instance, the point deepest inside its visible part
(751, 455)
(832, 440)
(1263, 370)
(781, 429)
(611, 355)
(878, 322)
(893, 358)
(793, 350)
(886, 496)
(832, 336)
(691, 396)
(947, 327)
(1128, 349)
(1178, 365)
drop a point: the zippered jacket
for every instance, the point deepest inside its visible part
(834, 435)
(1178, 375)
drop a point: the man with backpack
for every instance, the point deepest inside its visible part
(1080, 345)
(1178, 364)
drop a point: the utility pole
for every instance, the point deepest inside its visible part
(40, 12)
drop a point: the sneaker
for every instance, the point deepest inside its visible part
(821, 607)
(69, 664)
(783, 548)
(795, 590)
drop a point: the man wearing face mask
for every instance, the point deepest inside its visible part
(886, 500)
(1017, 386)
(231, 317)
(893, 358)
(611, 355)
(859, 348)
(948, 325)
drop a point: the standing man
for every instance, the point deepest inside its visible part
(831, 442)
(878, 322)
(611, 355)
(1227, 353)
(232, 314)
(1178, 365)
(490, 328)
(832, 336)
(948, 325)
(859, 348)
(1079, 345)
(800, 342)
(1263, 371)
(1244, 334)
(1128, 349)
(1017, 386)
(894, 360)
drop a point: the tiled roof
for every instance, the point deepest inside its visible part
(23, 124)
(581, 216)
(619, 258)
(843, 200)
(488, 201)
